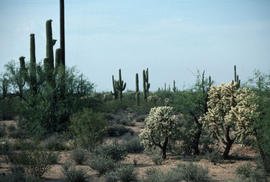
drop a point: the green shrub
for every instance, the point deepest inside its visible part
(20, 177)
(72, 174)
(127, 174)
(214, 156)
(5, 147)
(193, 173)
(117, 130)
(36, 162)
(112, 176)
(157, 159)
(53, 142)
(102, 164)
(11, 128)
(156, 175)
(244, 170)
(88, 128)
(78, 155)
(18, 133)
(134, 145)
(2, 130)
(20, 144)
(115, 151)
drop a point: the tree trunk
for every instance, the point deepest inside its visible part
(164, 148)
(227, 149)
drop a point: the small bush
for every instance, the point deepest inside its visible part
(102, 164)
(24, 145)
(88, 128)
(73, 175)
(244, 170)
(5, 147)
(115, 151)
(53, 143)
(127, 174)
(18, 133)
(78, 155)
(193, 173)
(11, 128)
(157, 159)
(112, 176)
(134, 145)
(2, 130)
(117, 130)
(36, 162)
(214, 157)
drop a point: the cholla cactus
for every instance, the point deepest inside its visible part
(230, 114)
(161, 126)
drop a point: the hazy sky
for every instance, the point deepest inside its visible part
(173, 38)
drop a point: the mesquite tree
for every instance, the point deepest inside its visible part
(161, 126)
(231, 113)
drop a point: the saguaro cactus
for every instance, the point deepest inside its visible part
(120, 85)
(33, 71)
(146, 84)
(62, 31)
(23, 76)
(58, 58)
(137, 90)
(49, 44)
(236, 78)
(174, 88)
(115, 91)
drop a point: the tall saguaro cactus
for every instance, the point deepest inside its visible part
(174, 87)
(115, 91)
(58, 58)
(137, 90)
(120, 85)
(62, 31)
(146, 84)
(49, 44)
(33, 71)
(236, 78)
(22, 76)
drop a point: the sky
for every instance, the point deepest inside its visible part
(173, 38)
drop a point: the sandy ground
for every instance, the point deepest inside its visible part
(222, 172)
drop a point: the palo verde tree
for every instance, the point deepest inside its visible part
(231, 113)
(161, 126)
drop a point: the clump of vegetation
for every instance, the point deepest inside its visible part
(115, 151)
(117, 130)
(72, 174)
(127, 173)
(192, 173)
(35, 162)
(88, 127)
(78, 155)
(231, 113)
(53, 142)
(2, 130)
(133, 145)
(161, 126)
(102, 164)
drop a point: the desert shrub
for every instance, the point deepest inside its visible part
(2, 130)
(5, 147)
(11, 128)
(53, 142)
(192, 173)
(231, 114)
(115, 151)
(244, 170)
(18, 133)
(102, 164)
(133, 145)
(71, 174)
(117, 130)
(127, 174)
(157, 159)
(161, 126)
(156, 175)
(214, 156)
(88, 128)
(112, 176)
(21, 144)
(19, 177)
(248, 173)
(78, 155)
(36, 162)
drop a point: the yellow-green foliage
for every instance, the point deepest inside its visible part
(230, 111)
(161, 126)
